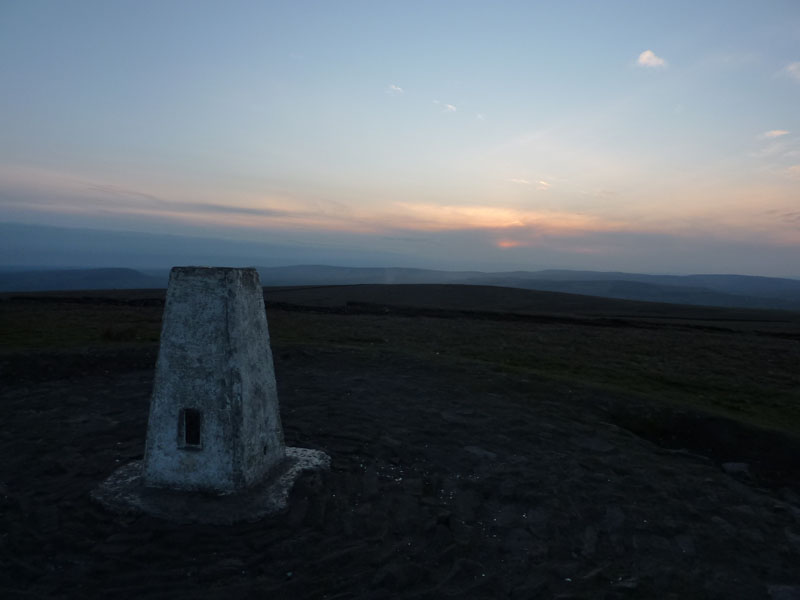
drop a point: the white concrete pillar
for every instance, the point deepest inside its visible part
(214, 420)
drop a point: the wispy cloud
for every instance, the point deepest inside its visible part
(790, 216)
(435, 217)
(394, 90)
(188, 207)
(649, 59)
(793, 171)
(480, 117)
(774, 133)
(778, 146)
(793, 70)
(43, 191)
(445, 107)
(540, 184)
(116, 190)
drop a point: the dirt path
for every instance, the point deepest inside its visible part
(447, 480)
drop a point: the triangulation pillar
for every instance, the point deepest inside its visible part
(214, 421)
(214, 451)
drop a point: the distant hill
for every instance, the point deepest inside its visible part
(77, 279)
(707, 290)
(730, 284)
(328, 275)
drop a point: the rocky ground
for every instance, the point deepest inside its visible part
(448, 479)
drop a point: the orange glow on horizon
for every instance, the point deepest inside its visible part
(754, 212)
(509, 244)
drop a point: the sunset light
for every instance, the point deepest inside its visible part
(267, 123)
(509, 288)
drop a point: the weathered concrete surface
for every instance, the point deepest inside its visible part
(215, 362)
(215, 451)
(124, 492)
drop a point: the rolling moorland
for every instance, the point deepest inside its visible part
(706, 290)
(487, 442)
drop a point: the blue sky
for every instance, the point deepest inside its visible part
(659, 137)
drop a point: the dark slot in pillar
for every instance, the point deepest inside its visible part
(192, 419)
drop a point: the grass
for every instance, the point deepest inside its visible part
(63, 325)
(739, 372)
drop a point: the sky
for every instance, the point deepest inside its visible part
(650, 137)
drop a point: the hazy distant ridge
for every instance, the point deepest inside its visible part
(710, 290)
(77, 279)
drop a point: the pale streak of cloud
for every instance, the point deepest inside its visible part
(779, 146)
(156, 203)
(772, 134)
(791, 217)
(793, 171)
(649, 59)
(46, 191)
(480, 116)
(445, 107)
(540, 185)
(434, 217)
(116, 190)
(38, 178)
(394, 90)
(793, 70)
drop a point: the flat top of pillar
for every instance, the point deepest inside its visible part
(210, 270)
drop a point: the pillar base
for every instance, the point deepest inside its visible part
(124, 492)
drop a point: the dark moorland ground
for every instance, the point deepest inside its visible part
(486, 443)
